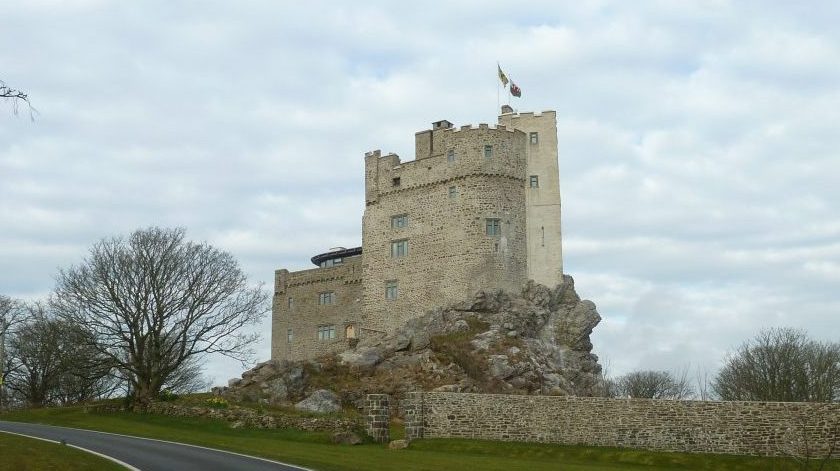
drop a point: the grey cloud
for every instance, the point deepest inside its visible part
(697, 143)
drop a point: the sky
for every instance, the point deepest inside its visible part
(699, 148)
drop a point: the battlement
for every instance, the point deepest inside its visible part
(529, 114)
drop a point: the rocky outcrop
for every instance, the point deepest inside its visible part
(533, 342)
(321, 401)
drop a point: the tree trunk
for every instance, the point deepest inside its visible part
(144, 394)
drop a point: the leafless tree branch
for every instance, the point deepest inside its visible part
(154, 301)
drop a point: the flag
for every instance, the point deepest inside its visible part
(502, 76)
(514, 90)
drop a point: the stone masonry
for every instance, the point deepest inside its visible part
(477, 209)
(378, 417)
(745, 428)
(297, 314)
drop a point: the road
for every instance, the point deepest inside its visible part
(147, 454)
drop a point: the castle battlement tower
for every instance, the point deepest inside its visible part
(478, 208)
(542, 195)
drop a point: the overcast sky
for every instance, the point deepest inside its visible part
(699, 143)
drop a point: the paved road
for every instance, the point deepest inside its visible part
(146, 454)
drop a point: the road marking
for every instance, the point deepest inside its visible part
(110, 458)
(173, 443)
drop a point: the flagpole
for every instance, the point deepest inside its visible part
(508, 90)
(499, 67)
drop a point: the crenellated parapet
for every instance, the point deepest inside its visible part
(446, 154)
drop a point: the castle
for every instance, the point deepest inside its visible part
(477, 208)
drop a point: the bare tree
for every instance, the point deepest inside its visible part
(36, 359)
(781, 365)
(12, 315)
(654, 385)
(154, 301)
(704, 383)
(189, 378)
(16, 96)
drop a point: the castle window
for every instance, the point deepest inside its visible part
(399, 221)
(535, 138)
(289, 335)
(493, 227)
(535, 181)
(453, 192)
(326, 332)
(399, 248)
(326, 298)
(488, 151)
(291, 303)
(396, 181)
(450, 156)
(391, 290)
(331, 262)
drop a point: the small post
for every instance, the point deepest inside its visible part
(378, 417)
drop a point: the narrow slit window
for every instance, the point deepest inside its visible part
(488, 151)
(534, 181)
(450, 156)
(453, 192)
(535, 138)
(396, 181)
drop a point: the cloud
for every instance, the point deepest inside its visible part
(698, 144)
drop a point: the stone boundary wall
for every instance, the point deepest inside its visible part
(239, 417)
(744, 428)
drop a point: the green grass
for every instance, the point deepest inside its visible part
(23, 454)
(315, 450)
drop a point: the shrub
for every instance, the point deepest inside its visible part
(217, 403)
(167, 396)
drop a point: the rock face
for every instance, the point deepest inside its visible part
(321, 401)
(535, 342)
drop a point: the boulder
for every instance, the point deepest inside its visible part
(346, 438)
(322, 401)
(398, 444)
(363, 357)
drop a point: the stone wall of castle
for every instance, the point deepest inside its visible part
(542, 195)
(746, 428)
(461, 179)
(298, 312)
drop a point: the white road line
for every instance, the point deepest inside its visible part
(175, 443)
(110, 458)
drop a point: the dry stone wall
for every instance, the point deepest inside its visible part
(745, 428)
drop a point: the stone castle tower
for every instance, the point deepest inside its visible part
(477, 208)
